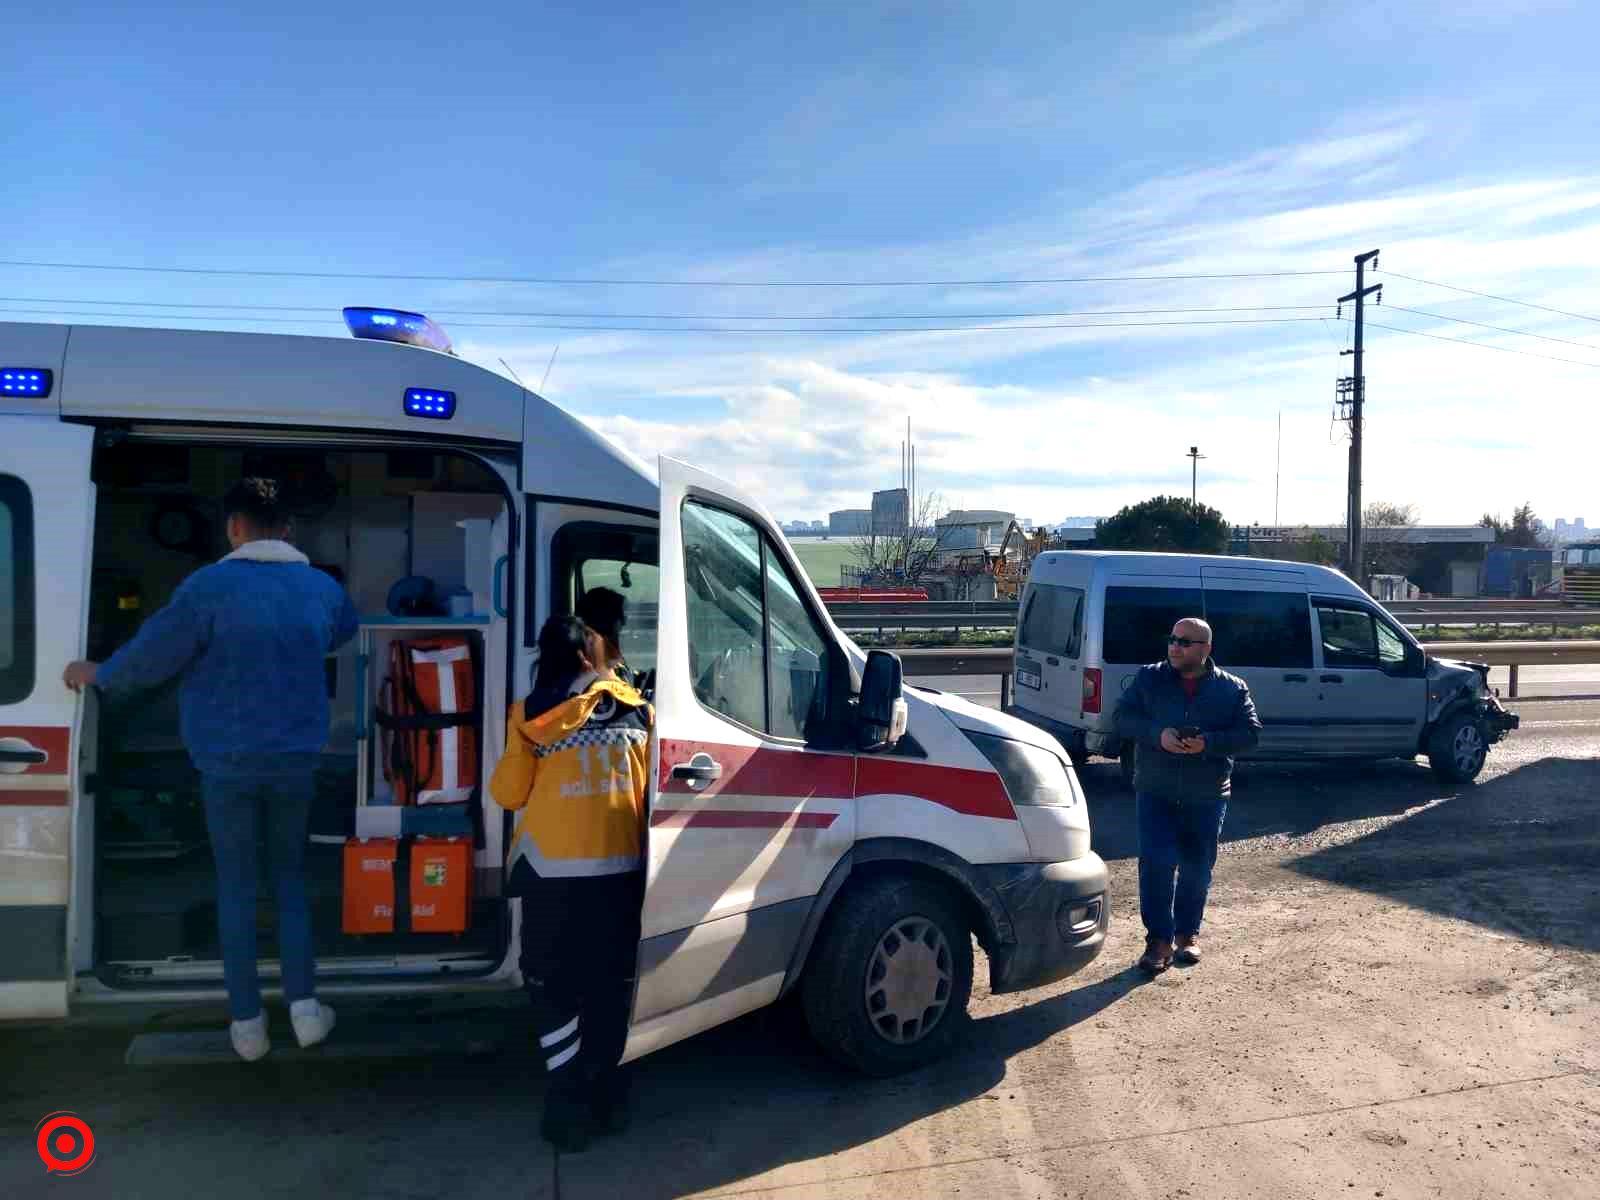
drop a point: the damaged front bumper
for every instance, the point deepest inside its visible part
(1059, 912)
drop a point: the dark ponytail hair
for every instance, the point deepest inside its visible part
(561, 649)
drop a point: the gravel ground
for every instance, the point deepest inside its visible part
(1399, 998)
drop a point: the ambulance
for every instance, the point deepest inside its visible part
(816, 825)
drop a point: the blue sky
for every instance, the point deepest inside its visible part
(727, 145)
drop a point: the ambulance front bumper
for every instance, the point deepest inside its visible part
(1059, 912)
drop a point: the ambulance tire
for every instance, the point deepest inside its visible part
(846, 1012)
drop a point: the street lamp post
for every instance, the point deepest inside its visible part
(1194, 457)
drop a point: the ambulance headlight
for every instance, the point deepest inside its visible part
(1031, 774)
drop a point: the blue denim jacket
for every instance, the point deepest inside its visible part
(1221, 709)
(248, 636)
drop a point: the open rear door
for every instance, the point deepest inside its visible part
(46, 510)
(751, 805)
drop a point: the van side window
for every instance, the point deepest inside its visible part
(1138, 620)
(1259, 629)
(16, 590)
(1052, 620)
(1356, 637)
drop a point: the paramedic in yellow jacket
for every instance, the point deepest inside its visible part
(575, 768)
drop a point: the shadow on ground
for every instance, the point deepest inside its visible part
(772, 1100)
(729, 1105)
(1519, 854)
(1292, 799)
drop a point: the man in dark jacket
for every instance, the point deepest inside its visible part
(1187, 718)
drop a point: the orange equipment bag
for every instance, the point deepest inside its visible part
(369, 899)
(441, 884)
(428, 711)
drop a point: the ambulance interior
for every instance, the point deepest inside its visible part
(375, 520)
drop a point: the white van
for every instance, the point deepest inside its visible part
(1333, 675)
(813, 825)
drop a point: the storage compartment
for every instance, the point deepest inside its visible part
(371, 520)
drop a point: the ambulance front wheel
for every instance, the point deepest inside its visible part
(887, 988)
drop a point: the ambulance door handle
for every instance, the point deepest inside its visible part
(23, 755)
(1333, 679)
(699, 772)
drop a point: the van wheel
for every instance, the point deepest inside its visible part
(1457, 749)
(887, 989)
(1125, 762)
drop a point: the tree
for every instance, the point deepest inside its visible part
(1164, 523)
(901, 556)
(1524, 529)
(1388, 547)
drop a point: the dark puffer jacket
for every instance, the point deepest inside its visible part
(1221, 709)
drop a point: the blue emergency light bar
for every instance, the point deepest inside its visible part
(433, 403)
(34, 382)
(395, 325)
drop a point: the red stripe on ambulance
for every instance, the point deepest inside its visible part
(792, 774)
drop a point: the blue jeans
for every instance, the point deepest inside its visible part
(1176, 837)
(276, 808)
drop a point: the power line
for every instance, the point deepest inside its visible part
(1491, 296)
(693, 329)
(614, 316)
(1497, 328)
(1438, 337)
(702, 283)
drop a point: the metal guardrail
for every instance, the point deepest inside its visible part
(1413, 614)
(997, 660)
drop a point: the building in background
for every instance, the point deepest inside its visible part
(850, 522)
(891, 513)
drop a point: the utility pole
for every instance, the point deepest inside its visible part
(1357, 392)
(1194, 457)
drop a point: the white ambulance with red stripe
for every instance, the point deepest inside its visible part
(815, 824)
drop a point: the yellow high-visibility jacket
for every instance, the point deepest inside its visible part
(577, 774)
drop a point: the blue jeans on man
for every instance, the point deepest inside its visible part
(1177, 850)
(274, 808)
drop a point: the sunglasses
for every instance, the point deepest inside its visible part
(1174, 640)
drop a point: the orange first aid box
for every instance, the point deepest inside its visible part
(441, 884)
(369, 884)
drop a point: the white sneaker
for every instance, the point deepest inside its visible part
(250, 1037)
(312, 1021)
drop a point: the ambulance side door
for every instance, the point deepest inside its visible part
(46, 523)
(753, 782)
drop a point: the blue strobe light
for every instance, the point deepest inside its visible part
(433, 403)
(396, 325)
(33, 382)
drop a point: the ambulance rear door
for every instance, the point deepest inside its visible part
(46, 516)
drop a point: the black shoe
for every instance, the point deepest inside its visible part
(609, 1104)
(568, 1123)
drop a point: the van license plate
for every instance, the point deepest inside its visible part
(1027, 676)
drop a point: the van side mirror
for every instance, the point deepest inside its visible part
(881, 713)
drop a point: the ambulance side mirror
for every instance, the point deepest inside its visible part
(881, 712)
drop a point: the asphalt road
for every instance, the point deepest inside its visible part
(1399, 998)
